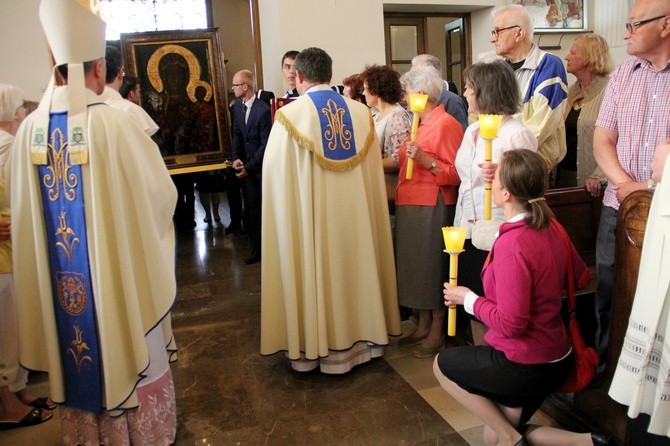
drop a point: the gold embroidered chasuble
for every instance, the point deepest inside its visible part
(328, 271)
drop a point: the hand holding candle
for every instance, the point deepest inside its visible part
(454, 239)
(417, 102)
(488, 130)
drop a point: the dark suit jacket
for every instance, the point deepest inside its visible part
(455, 106)
(249, 140)
(265, 96)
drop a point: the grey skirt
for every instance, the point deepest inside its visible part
(422, 266)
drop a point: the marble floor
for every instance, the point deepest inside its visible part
(227, 394)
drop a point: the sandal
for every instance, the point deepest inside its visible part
(409, 341)
(34, 417)
(42, 403)
(425, 352)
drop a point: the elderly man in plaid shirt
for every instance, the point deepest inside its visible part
(633, 120)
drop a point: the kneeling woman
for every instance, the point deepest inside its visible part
(529, 354)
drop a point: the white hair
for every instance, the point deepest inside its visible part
(427, 60)
(11, 98)
(487, 57)
(424, 78)
(521, 14)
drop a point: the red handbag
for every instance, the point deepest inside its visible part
(586, 358)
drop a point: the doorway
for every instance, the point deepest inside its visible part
(445, 36)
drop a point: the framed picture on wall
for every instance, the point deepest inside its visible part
(182, 88)
(554, 16)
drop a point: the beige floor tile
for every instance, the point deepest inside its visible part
(417, 372)
(450, 409)
(473, 436)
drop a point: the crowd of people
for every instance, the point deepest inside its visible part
(347, 224)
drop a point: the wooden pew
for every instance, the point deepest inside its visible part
(579, 213)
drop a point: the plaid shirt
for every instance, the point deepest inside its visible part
(637, 107)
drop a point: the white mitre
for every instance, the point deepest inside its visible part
(76, 34)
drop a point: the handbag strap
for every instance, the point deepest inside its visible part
(571, 273)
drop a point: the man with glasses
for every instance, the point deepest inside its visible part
(251, 129)
(541, 77)
(633, 120)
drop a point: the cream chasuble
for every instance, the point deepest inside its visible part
(328, 274)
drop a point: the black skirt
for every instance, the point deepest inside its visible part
(485, 371)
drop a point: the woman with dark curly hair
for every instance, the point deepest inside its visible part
(353, 88)
(383, 92)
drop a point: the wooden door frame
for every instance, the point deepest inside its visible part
(466, 47)
(392, 19)
(467, 34)
(256, 35)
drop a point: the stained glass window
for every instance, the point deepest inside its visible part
(131, 16)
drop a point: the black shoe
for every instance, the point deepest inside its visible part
(255, 257)
(601, 439)
(232, 229)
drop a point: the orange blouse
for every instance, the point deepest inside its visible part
(440, 137)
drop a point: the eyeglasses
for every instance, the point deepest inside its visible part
(237, 85)
(632, 26)
(496, 31)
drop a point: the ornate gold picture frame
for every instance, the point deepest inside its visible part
(182, 88)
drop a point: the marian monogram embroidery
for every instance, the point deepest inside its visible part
(58, 166)
(337, 135)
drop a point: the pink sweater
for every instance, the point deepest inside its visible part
(524, 284)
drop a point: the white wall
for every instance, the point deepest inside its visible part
(350, 31)
(234, 23)
(25, 56)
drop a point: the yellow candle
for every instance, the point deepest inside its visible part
(417, 103)
(489, 125)
(488, 128)
(415, 131)
(454, 238)
(453, 280)
(488, 157)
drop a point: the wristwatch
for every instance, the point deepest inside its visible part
(651, 184)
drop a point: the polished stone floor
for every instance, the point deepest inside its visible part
(227, 394)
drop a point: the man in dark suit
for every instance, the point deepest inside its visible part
(251, 129)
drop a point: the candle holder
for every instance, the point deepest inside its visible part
(488, 129)
(454, 239)
(417, 103)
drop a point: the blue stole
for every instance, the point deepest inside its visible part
(337, 130)
(65, 225)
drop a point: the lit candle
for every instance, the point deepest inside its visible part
(454, 239)
(488, 129)
(417, 103)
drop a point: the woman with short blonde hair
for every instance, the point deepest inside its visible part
(590, 62)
